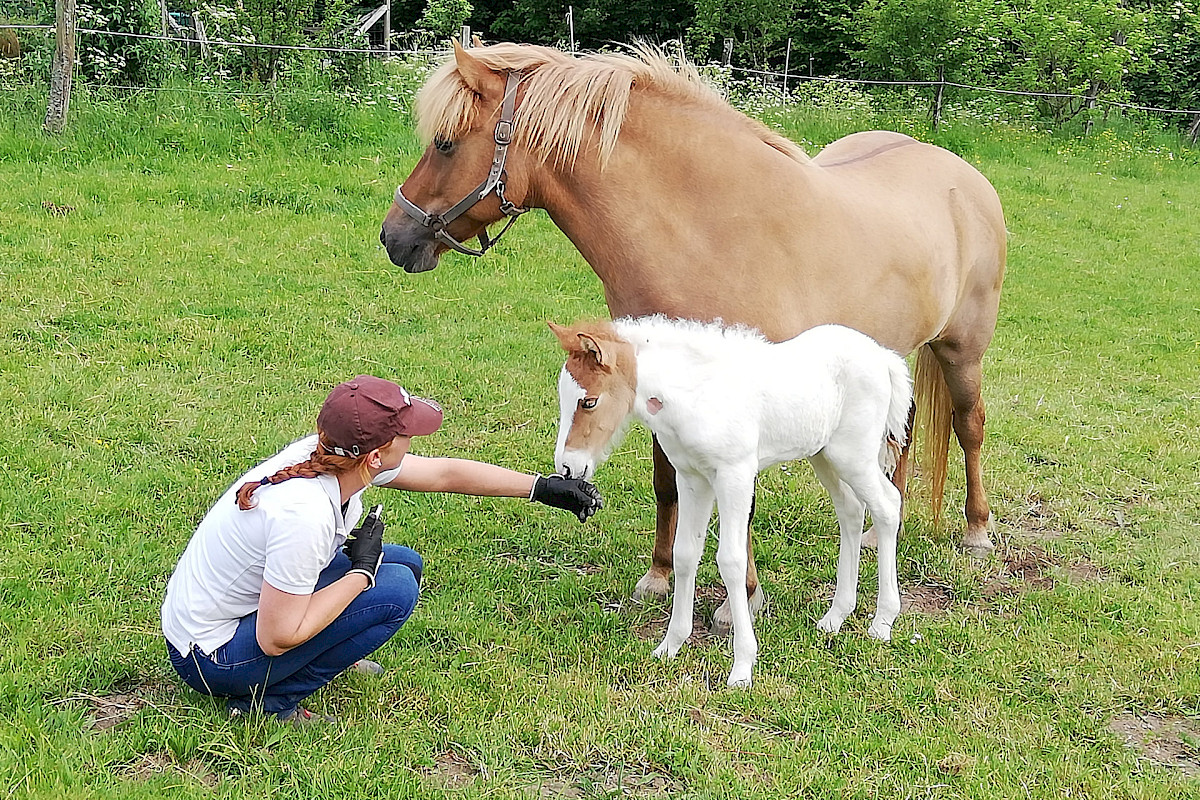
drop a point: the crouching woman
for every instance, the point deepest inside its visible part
(277, 592)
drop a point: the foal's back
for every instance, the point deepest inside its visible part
(729, 392)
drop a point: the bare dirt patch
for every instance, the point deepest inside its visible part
(1168, 741)
(924, 599)
(708, 600)
(162, 763)
(452, 770)
(1024, 566)
(109, 710)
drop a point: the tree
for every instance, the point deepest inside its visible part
(1076, 47)
(919, 39)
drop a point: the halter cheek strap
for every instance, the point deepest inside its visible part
(493, 183)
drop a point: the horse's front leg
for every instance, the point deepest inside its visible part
(735, 499)
(656, 583)
(695, 507)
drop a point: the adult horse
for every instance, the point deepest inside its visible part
(686, 207)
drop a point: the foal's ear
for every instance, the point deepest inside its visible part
(474, 74)
(565, 337)
(590, 345)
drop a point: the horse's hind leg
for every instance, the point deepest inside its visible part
(964, 377)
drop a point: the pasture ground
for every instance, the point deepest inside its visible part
(184, 279)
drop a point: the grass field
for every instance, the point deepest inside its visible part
(184, 279)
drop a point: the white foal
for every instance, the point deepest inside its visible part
(725, 404)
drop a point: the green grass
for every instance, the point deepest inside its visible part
(221, 270)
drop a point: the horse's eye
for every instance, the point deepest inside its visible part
(443, 145)
(589, 402)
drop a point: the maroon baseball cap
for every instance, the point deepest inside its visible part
(368, 412)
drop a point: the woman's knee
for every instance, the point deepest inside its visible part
(406, 556)
(396, 585)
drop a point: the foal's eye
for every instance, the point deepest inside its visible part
(443, 145)
(589, 402)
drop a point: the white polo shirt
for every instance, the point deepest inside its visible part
(291, 534)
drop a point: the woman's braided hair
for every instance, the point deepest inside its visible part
(322, 462)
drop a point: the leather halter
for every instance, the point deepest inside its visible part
(493, 183)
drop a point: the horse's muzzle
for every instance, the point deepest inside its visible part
(410, 245)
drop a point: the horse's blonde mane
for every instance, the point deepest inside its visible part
(569, 98)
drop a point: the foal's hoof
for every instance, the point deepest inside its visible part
(722, 624)
(652, 588)
(740, 678)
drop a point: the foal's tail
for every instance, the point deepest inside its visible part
(896, 433)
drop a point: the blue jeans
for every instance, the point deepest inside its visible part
(242, 672)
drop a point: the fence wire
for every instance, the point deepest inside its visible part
(784, 77)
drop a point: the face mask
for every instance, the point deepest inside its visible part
(385, 477)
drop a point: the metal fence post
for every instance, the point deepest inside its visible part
(728, 52)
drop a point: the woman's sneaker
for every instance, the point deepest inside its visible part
(302, 717)
(367, 667)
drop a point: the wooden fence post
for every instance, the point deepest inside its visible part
(62, 67)
(937, 101)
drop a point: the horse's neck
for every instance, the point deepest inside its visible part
(650, 212)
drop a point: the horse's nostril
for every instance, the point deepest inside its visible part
(382, 236)
(566, 471)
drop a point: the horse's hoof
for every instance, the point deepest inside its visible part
(977, 541)
(652, 587)
(870, 540)
(722, 624)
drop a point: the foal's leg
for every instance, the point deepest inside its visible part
(735, 496)
(964, 377)
(656, 582)
(850, 514)
(695, 507)
(884, 502)
(722, 624)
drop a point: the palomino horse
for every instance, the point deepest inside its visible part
(724, 404)
(686, 207)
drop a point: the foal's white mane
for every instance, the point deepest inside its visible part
(701, 341)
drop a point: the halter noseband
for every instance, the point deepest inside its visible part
(493, 183)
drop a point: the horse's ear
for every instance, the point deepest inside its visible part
(590, 345)
(476, 41)
(474, 74)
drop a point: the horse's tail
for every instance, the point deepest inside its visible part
(934, 417)
(896, 433)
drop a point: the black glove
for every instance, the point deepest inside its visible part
(571, 494)
(364, 547)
